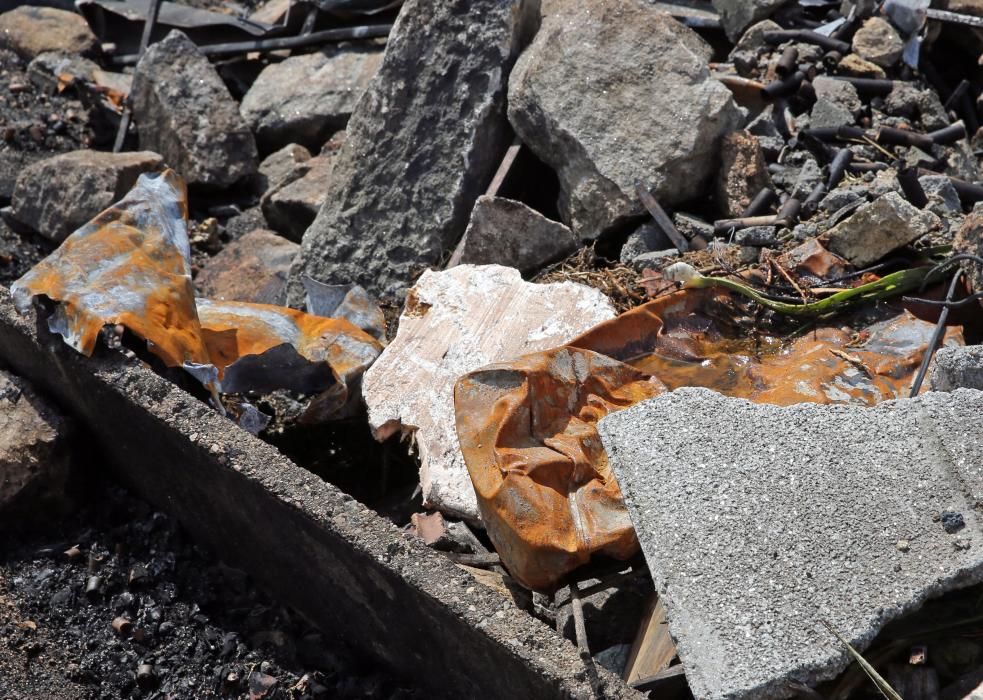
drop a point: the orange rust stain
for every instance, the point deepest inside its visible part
(528, 428)
(122, 268)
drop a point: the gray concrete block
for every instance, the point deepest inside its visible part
(958, 367)
(759, 521)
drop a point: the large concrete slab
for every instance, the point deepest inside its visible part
(350, 572)
(760, 521)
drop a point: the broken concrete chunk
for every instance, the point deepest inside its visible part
(422, 143)
(647, 238)
(291, 206)
(742, 173)
(29, 31)
(771, 496)
(836, 103)
(505, 232)
(251, 268)
(878, 228)
(942, 196)
(878, 42)
(958, 367)
(969, 241)
(581, 116)
(33, 454)
(690, 226)
(277, 166)
(307, 98)
(454, 322)
(57, 195)
(184, 112)
(738, 15)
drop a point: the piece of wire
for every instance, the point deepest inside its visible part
(937, 333)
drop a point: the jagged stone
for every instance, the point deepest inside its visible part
(878, 228)
(307, 98)
(29, 31)
(34, 460)
(184, 111)
(575, 99)
(878, 42)
(505, 232)
(738, 15)
(422, 142)
(771, 496)
(742, 173)
(57, 195)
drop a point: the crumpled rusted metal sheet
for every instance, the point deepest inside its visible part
(528, 428)
(129, 266)
(259, 347)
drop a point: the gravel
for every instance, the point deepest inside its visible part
(204, 628)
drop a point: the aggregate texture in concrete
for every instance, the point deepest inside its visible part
(958, 367)
(758, 522)
(390, 600)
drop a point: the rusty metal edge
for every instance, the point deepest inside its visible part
(353, 574)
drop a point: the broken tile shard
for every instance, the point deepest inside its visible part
(454, 322)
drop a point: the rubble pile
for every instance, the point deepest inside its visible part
(675, 306)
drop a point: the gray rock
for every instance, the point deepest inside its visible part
(808, 176)
(184, 112)
(909, 102)
(34, 462)
(842, 196)
(837, 103)
(647, 238)
(747, 51)
(422, 143)
(277, 166)
(753, 37)
(768, 535)
(58, 195)
(878, 42)
(878, 228)
(654, 259)
(942, 196)
(690, 226)
(291, 206)
(506, 232)
(738, 15)
(884, 182)
(576, 96)
(252, 268)
(748, 254)
(958, 368)
(307, 98)
(759, 236)
(29, 31)
(805, 230)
